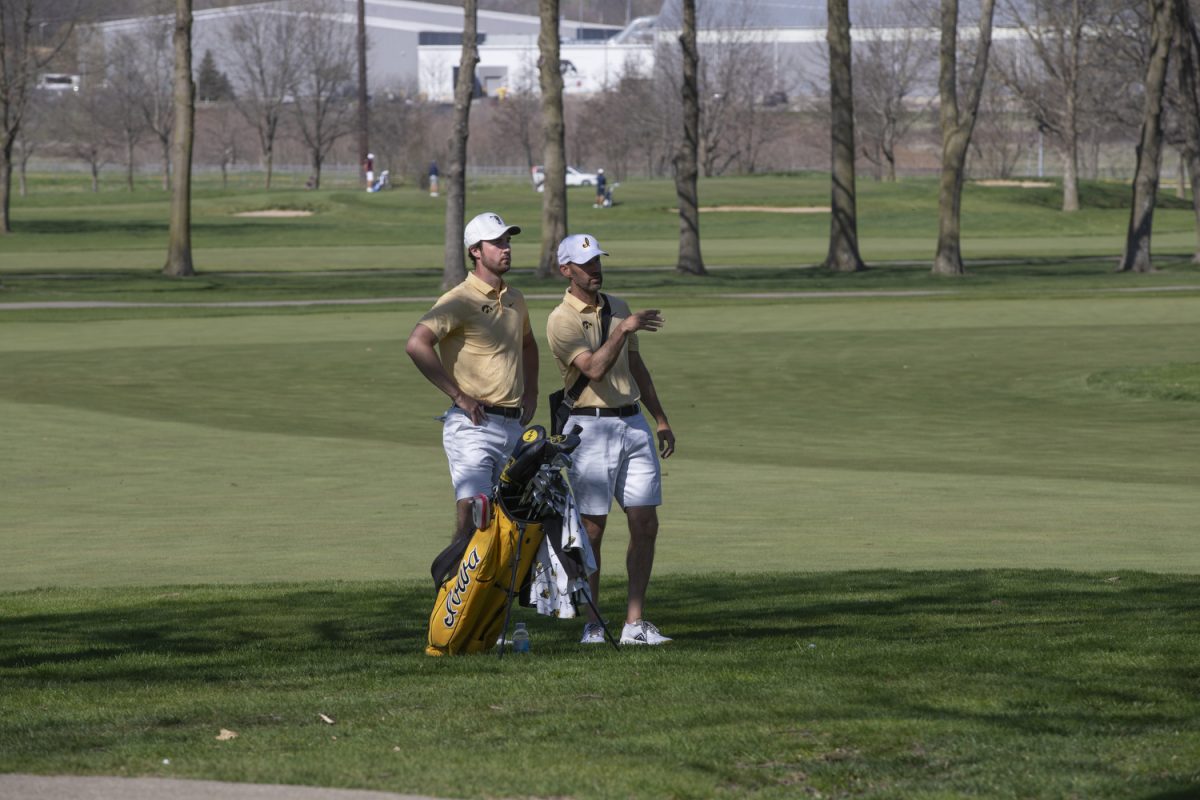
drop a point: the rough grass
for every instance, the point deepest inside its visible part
(1000, 684)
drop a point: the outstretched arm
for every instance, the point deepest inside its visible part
(597, 363)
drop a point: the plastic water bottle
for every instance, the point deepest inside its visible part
(520, 639)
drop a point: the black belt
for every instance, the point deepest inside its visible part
(503, 411)
(623, 411)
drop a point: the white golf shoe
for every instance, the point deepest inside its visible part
(593, 633)
(641, 632)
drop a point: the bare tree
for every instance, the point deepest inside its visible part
(843, 253)
(453, 269)
(1003, 134)
(265, 61)
(554, 185)
(1188, 60)
(1136, 257)
(179, 248)
(957, 124)
(125, 85)
(323, 80)
(1052, 85)
(85, 123)
(26, 47)
(153, 48)
(516, 119)
(40, 117)
(686, 159)
(219, 136)
(891, 61)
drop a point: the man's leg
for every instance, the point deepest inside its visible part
(594, 524)
(639, 560)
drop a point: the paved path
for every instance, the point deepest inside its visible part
(42, 787)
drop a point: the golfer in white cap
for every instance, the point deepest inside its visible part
(617, 455)
(486, 362)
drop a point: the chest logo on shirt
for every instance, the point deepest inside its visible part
(587, 326)
(485, 308)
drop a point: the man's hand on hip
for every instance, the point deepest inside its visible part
(473, 409)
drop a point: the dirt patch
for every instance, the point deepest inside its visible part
(1019, 184)
(275, 212)
(767, 209)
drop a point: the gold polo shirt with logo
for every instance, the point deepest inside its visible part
(480, 333)
(574, 328)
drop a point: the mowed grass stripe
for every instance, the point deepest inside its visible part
(832, 435)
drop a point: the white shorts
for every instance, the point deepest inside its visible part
(617, 458)
(477, 453)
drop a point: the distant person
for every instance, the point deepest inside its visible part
(369, 170)
(433, 179)
(486, 362)
(617, 456)
(601, 185)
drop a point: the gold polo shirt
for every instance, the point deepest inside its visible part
(574, 328)
(480, 333)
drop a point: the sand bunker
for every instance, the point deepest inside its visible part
(1020, 184)
(275, 212)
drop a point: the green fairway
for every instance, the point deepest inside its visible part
(838, 434)
(922, 538)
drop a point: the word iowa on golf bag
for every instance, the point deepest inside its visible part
(526, 543)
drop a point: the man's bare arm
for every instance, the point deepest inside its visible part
(420, 349)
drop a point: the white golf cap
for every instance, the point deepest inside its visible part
(579, 249)
(486, 227)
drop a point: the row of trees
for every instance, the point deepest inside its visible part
(710, 111)
(1074, 60)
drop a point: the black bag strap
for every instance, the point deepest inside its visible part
(582, 381)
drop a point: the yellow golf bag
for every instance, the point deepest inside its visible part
(477, 579)
(469, 614)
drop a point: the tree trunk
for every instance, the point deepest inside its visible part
(364, 122)
(22, 186)
(167, 156)
(269, 160)
(453, 269)
(1188, 39)
(957, 126)
(843, 221)
(179, 251)
(6, 171)
(315, 154)
(129, 165)
(1071, 160)
(554, 184)
(1149, 149)
(95, 177)
(690, 262)
(1181, 182)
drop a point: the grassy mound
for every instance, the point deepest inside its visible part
(1163, 382)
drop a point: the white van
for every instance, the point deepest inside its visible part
(58, 82)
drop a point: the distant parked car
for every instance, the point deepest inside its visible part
(574, 177)
(58, 82)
